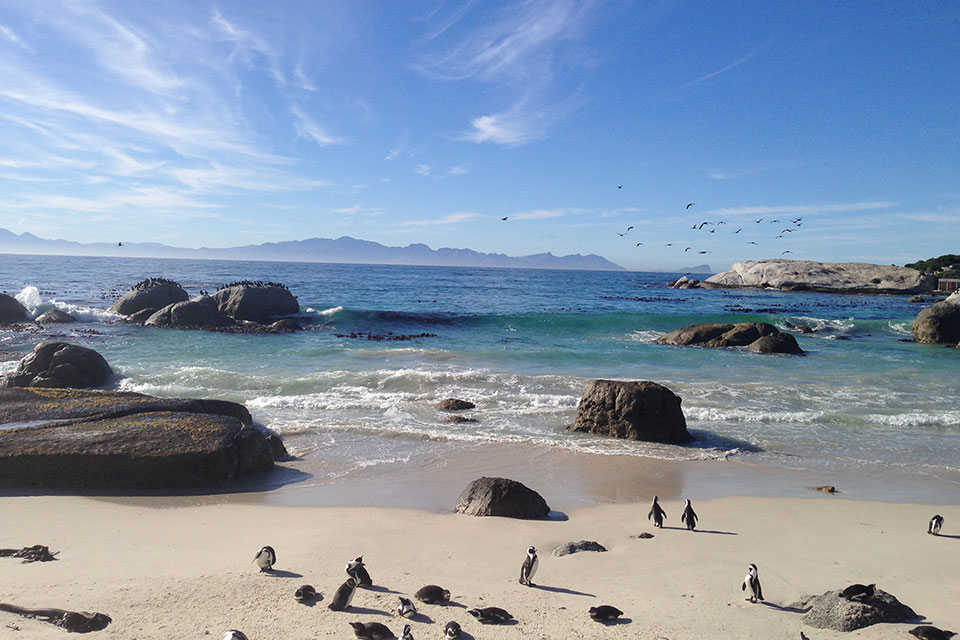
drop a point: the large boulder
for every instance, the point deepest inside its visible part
(939, 323)
(62, 365)
(11, 310)
(634, 410)
(757, 336)
(54, 316)
(92, 439)
(830, 611)
(256, 301)
(201, 312)
(152, 293)
(830, 277)
(501, 497)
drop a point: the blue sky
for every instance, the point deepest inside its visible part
(227, 123)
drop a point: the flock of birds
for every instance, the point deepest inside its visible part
(432, 594)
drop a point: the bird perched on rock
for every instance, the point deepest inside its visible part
(657, 513)
(858, 591)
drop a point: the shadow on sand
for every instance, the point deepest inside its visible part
(562, 590)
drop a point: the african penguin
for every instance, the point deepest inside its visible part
(343, 596)
(406, 633)
(751, 583)
(657, 514)
(858, 591)
(936, 523)
(604, 613)
(372, 630)
(304, 593)
(928, 632)
(491, 615)
(451, 630)
(265, 558)
(529, 567)
(233, 634)
(432, 594)
(406, 608)
(357, 571)
(689, 516)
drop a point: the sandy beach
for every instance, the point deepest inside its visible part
(162, 570)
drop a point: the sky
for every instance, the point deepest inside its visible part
(230, 123)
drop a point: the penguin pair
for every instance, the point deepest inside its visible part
(529, 567)
(358, 571)
(658, 515)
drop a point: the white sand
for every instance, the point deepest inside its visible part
(179, 573)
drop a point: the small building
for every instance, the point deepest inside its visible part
(949, 284)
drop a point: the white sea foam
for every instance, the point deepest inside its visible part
(323, 312)
(718, 414)
(644, 335)
(903, 328)
(917, 419)
(30, 298)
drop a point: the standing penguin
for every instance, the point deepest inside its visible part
(936, 523)
(689, 516)
(406, 608)
(343, 596)
(751, 583)
(657, 514)
(266, 558)
(529, 567)
(406, 633)
(357, 571)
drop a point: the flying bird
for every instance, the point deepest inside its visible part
(703, 224)
(721, 222)
(739, 230)
(788, 251)
(703, 252)
(630, 227)
(713, 230)
(779, 236)
(639, 243)
(621, 234)
(689, 205)
(619, 186)
(751, 242)
(669, 244)
(687, 249)
(759, 221)
(504, 217)
(772, 221)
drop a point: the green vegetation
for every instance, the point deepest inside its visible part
(938, 266)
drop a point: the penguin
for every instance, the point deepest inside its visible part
(451, 630)
(936, 523)
(604, 613)
(491, 615)
(928, 632)
(858, 592)
(357, 571)
(305, 593)
(406, 633)
(689, 516)
(529, 567)
(406, 608)
(752, 582)
(657, 514)
(432, 594)
(372, 630)
(233, 634)
(265, 558)
(343, 596)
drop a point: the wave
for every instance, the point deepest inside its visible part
(718, 414)
(33, 301)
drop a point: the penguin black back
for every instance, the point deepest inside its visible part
(604, 613)
(491, 615)
(859, 591)
(929, 632)
(305, 593)
(372, 630)
(343, 596)
(689, 516)
(657, 513)
(432, 594)
(358, 571)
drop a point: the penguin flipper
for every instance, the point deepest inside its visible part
(759, 590)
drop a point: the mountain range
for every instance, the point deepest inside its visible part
(342, 250)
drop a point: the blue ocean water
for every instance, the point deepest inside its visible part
(523, 345)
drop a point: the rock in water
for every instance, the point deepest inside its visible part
(831, 277)
(54, 316)
(636, 410)
(455, 404)
(756, 336)
(152, 293)
(256, 302)
(11, 310)
(61, 365)
(501, 497)
(939, 323)
(198, 313)
(830, 611)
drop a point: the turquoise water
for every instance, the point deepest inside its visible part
(523, 345)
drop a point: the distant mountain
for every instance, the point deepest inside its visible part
(344, 249)
(700, 268)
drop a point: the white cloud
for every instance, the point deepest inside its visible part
(10, 35)
(423, 170)
(310, 128)
(803, 209)
(249, 49)
(453, 218)
(729, 67)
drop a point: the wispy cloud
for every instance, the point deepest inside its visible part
(521, 124)
(810, 209)
(11, 35)
(428, 171)
(249, 48)
(310, 128)
(453, 218)
(356, 209)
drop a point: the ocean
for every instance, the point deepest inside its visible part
(862, 405)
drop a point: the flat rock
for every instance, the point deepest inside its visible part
(12, 311)
(576, 547)
(761, 337)
(501, 497)
(830, 611)
(61, 365)
(633, 410)
(829, 277)
(152, 293)
(455, 404)
(54, 316)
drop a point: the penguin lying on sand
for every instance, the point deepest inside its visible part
(491, 615)
(604, 613)
(859, 591)
(372, 630)
(305, 593)
(406, 608)
(451, 630)
(927, 632)
(432, 594)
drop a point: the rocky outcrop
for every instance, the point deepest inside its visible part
(636, 410)
(199, 313)
(831, 277)
(91, 439)
(12, 311)
(830, 611)
(576, 547)
(939, 323)
(257, 302)
(455, 404)
(54, 316)
(501, 497)
(61, 365)
(761, 337)
(152, 293)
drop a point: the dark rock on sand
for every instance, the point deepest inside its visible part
(744, 334)
(259, 302)
(152, 293)
(61, 365)
(939, 323)
(635, 410)
(575, 547)
(54, 316)
(198, 313)
(89, 439)
(501, 497)
(830, 611)
(455, 404)
(11, 310)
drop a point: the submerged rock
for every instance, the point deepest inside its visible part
(501, 497)
(54, 316)
(830, 611)
(61, 365)
(634, 410)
